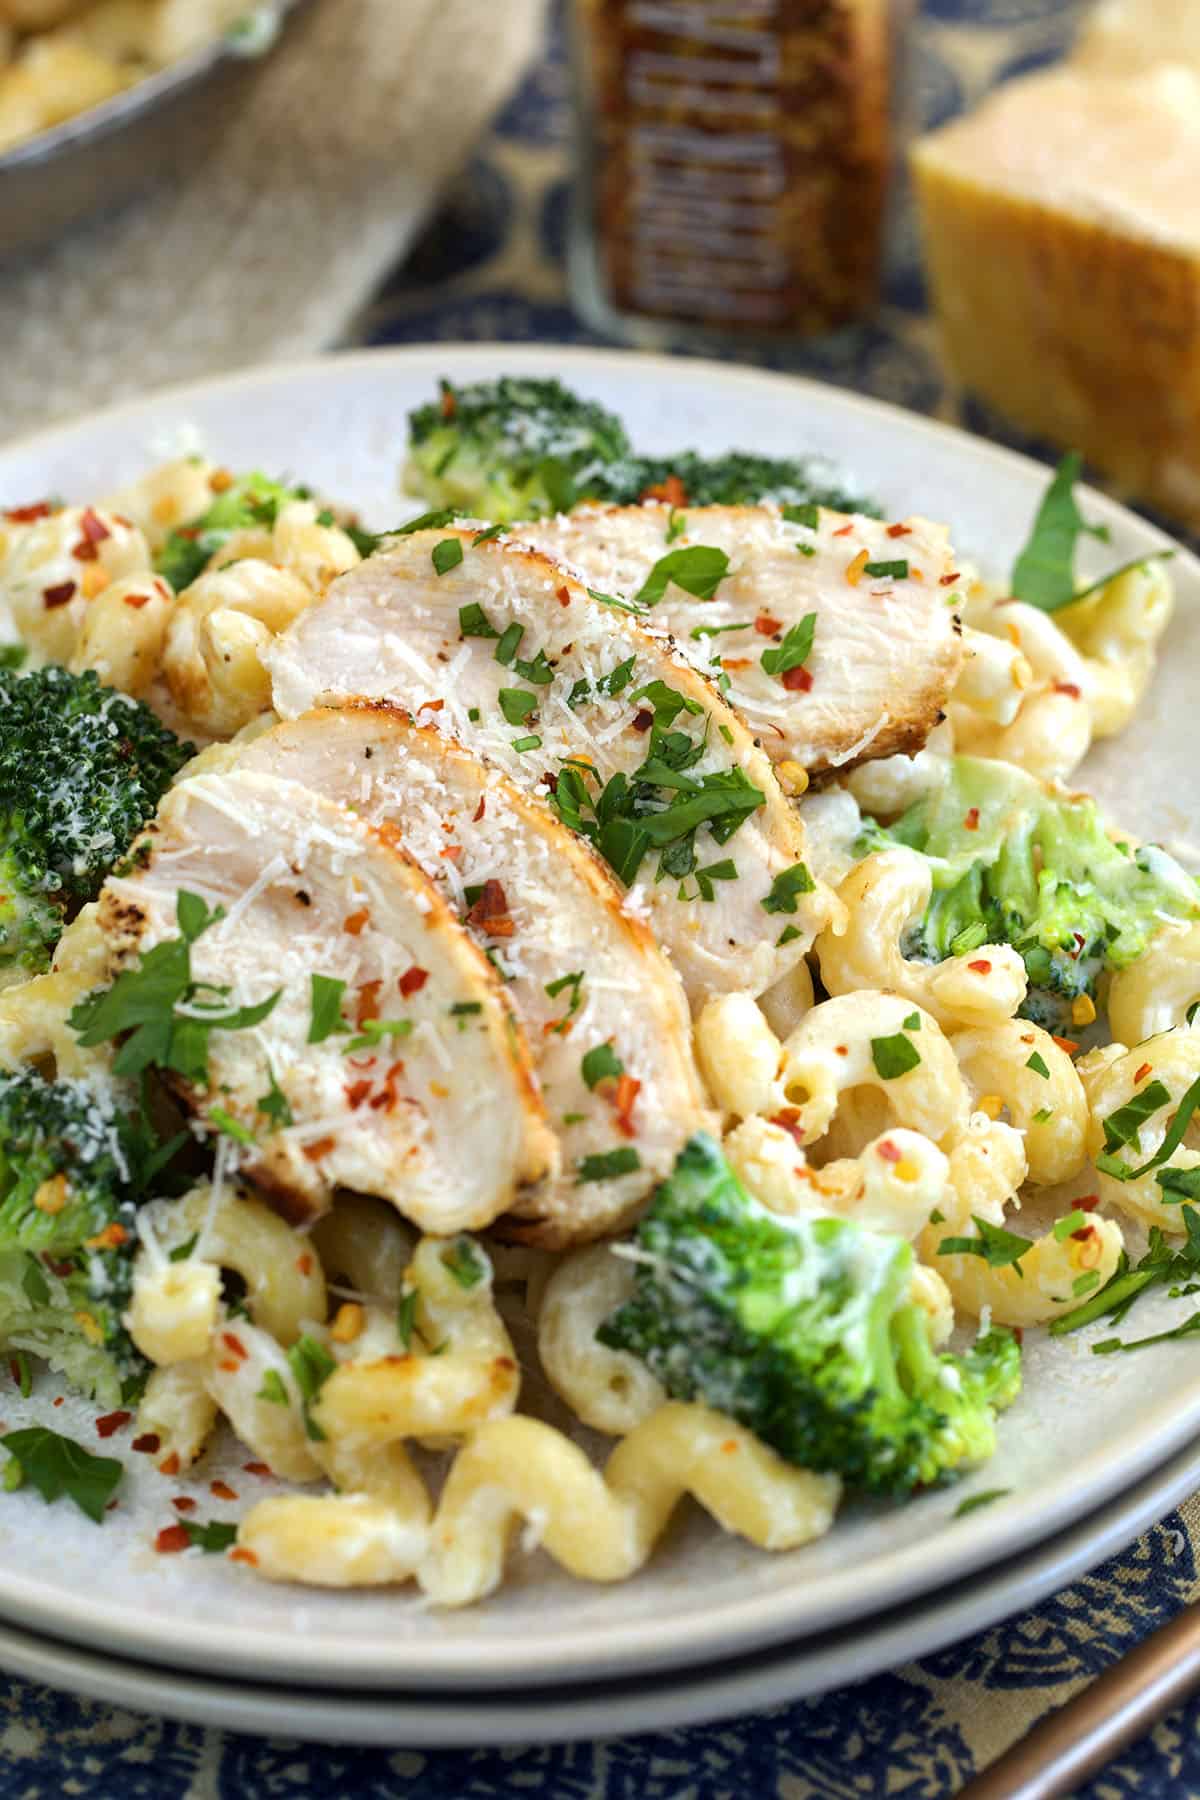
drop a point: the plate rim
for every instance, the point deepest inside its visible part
(488, 1718)
(655, 1644)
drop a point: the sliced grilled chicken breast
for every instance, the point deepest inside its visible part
(513, 656)
(425, 1098)
(886, 645)
(603, 1010)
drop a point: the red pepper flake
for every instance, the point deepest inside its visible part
(304, 1263)
(431, 706)
(982, 967)
(888, 1151)
(563, 596)
(412, 981)
(368, 1003)
(233, 1342)
(797, 681)
(844, 530)
(1088, 1202)
(257, 1468)
(899, 530)
(148, 1444)
(172, 1538)
(729, 1447)
(1084, 1232)
(766, 626)
(1067, 1044)
(489, 913)
(479, 810)
(1141, 1074)
(787, 1119)
(94, 533)
(59, 595)
(243, 1556)
(842, 1049)
(356, 1092)
(25, 515)
(1018, 1333)
(672, 491)
(386, 1101)
(107, 1423)
(971, 822)
(627, 1091)
(357, 920)
(59, 1401)
(169, 1464)
(222, 1490)
(1068, 687)
(184, 1503)
(319, 1148)
(643, 720)
(452, 852)
(61, 1269)
(137, 601)
(736, 662)
(950, 579)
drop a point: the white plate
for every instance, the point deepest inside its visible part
(434, 1720)
(1083, 1430)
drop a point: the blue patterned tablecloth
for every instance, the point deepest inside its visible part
(490, 267)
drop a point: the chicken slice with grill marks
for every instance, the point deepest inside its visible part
(437, 1110)
(604, 1012)
(886, 643)
(510, 654)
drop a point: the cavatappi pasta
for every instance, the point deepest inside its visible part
(424, 1391)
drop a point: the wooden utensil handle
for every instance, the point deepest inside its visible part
(1081, 1737)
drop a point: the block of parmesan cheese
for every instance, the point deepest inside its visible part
(1061, 224)
(1123, 37)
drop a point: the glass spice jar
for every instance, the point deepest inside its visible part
(732, 165)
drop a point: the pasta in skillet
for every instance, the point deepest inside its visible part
(767, 1073)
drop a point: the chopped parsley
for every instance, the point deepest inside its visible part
(973, 1502)
(274, 1104)
(891, 571)
(703, 631)
(1037, 1063)
(326, 1008)
(229, 1126)
(699, 570)
(375, 1030)
(312, 1365)
(1177, 1268)
(808, 514)
(912, 1023)
(522, 744)
(516, 704)
(795, 649)
(406, 1317)
(1123, 1126)
(999, 1249)
(787, 886)
(57, 1466)
(894, 1056)
(211, 1535)
(474, 622)
(1044, 572)
(573, 982)
(625, 606)
(143, 1001)
(273, 1388)
(509, 643)
(1074, 1221)
(608, 1166)
(676, 525)
(447, 555)
(601, 1064)
(464, 1262)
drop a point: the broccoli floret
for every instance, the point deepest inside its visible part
(70, 1166)
(740, 478)
(82, 768)
(252, 500)
(1016, 863)
(515, 449)
(802, 1330)
(518, 449)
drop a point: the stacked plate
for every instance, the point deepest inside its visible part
(1091, 1454)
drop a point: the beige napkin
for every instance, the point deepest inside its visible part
(267, 248)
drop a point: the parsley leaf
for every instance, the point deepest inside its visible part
(210, 1535)
(273, 1388)
(1179, 1184)
(998, 1248)
(699, 570)
(57, 1465)
(1126, 1119)
(1073, 1221)
(1044, 572)
(312, 1365)
(785, 888)
(676, 525)
(574, 982)
(447, 555)
(464, 1262)
(795, 649)
(1135, 562)
(229, 1126)
(274, 1104)
(894, 1056)
(326, 1008)
(516, 704)
(809, 514)
(374, 1031)
(406, 1317)
(608, 1166)
(973, 1502)
(1161, 1266)
(474, 622)
(601, 1063)
(509, 644)
(1037, 1063)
